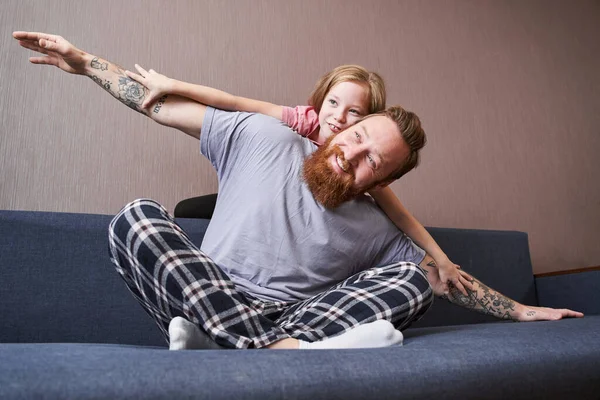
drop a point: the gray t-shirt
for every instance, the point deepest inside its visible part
(268, 233)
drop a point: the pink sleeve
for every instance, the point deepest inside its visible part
(303, 119)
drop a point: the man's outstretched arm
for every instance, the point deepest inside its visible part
(174, 111)
(486, 300)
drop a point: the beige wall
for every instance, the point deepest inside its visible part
(509, 92)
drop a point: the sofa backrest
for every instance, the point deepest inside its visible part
(58, 284)
(499, 259)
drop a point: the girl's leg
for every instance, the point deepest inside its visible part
(171, 277)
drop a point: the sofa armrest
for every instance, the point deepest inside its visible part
(576, 290)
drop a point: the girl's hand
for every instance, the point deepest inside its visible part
(450, 273)
(157, 84)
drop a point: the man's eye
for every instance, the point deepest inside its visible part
(371, 161)
(357, 136)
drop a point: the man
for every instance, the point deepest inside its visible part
(277, 269)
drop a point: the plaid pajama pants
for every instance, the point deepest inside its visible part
(171, 277)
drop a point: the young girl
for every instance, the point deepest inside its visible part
(340, 99)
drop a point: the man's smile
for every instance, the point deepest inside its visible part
(343, 164)
(340, 165)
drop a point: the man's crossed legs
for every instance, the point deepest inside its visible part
(172, 278)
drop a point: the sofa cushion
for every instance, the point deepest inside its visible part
(536, 360)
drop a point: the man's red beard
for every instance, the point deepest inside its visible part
(327, 186)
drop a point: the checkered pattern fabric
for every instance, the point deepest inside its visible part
(171, 277)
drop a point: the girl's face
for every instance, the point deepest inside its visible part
(344, 105)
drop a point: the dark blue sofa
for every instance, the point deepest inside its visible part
(70, 329)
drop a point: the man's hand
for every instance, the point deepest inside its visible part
(488, 301)
(531, 313)
(58, 51)
(157, 84)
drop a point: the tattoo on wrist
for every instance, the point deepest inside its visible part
(158, 105)
(96, 64)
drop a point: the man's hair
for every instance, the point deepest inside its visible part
(350, 73)
(409, 125)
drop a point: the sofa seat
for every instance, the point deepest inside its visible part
(500, 360)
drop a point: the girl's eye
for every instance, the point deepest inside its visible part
(357, 136)
(332, 102)
(355, 112)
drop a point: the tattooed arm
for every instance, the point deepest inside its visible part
(174, 111)
(483, 299)
(169, 110)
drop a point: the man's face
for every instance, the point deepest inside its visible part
(355, 160)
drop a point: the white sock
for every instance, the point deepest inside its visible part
(184, 335)
(380, 333)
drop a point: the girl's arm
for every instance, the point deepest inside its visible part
(404, 220)
(304, 120)
(159, 85)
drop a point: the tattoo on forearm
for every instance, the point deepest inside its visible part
(98, 65)
(114, 81)
(158, 105)
(130, 92)
(105, 84)
(482, 299)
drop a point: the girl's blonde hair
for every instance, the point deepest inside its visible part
(350, 73)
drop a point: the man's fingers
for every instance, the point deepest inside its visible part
(32, 46)
(48, 45)
(42, 60)
(21, 35)
(34, 36)
(570, 313)
(42, 45)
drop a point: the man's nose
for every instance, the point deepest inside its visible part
(353, 153)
